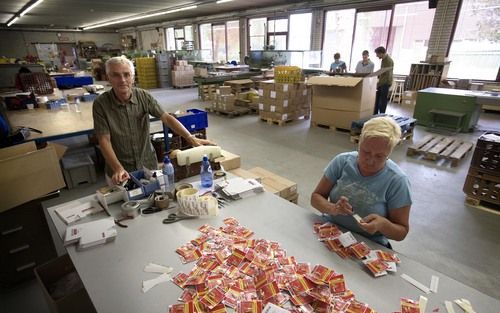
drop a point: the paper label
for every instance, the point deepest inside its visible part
(273, 94)
(304, 93)
(284, 117)
(285, 103)
(347, 239)
(285, 87)
(261, 106)
(273, 108)
(261, 92)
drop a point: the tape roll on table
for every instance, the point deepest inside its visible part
(161, 202)
(131, 209)
(219, 174)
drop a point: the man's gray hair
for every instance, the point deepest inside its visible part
(120, 60)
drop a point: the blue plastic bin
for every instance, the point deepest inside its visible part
(66, 82)
(196, 121)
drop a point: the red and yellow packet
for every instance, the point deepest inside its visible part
(337, 284)
(181, 308)
(360, 250)
(409, 306)
(253, 306)
(213, 297)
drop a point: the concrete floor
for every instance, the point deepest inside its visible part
(459, 241)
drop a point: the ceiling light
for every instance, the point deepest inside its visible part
(30, 7)
(134, 18)
(12, 21)
(222, 1)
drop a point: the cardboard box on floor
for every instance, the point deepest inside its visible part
(339, 119)
(28, 173)
(76, 300)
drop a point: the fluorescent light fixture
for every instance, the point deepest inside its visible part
(12, 21)
(222, 1)
(30, 7)
(134, 18)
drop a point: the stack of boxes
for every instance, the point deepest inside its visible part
(164, 67)
(207, 92)
(182, 75)
(146, 73)
(224, 100)
(283, 101)
(242, 89)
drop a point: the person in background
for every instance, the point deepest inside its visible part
(384, 81)
(338, 66)
(365, 65)
(18, 82)
(121, 123)
(368, 183)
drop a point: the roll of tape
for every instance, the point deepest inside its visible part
(179, 187)
(131, 209)
(219, 174)
(161, 202)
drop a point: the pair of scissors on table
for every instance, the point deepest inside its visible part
(173, 217)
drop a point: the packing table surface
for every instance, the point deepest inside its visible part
(113, 273)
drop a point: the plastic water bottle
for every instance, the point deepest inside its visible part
(206, 173)
(168, 175)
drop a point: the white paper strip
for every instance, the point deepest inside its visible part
(157, 268)
(449, 307)
(434, 283)
(422, 303)
(416, 283)
(347, 239)
(148, 284)
(465, 305)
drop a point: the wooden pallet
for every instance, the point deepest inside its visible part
(185, 86)
(406, 136)
(482, 205)
(331, 127)
(435, 147)
(271, 121)
(294, 198)
(238, 111)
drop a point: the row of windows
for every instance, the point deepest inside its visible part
(404, 29)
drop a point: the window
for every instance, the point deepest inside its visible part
(188, 33)
(179, 38)
(222, 39)
(372, 30)
(277, 33)
(233, 40)
(410, 32)
(300, 31)
(257, 31)
(170, 39)
(475, 49)
(206, 36)
(339, 28)
(219, 41)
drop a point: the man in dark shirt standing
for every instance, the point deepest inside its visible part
(121, 123)
(384, 80)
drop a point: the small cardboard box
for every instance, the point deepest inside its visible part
(224, 90)
(228, 160)
(28, 173)
(76, 300)
(274, 183)
(201, 72)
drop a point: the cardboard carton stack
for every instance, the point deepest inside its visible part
(182, 75)
(281, 102)
(224, 100)
(207, 92)
(339, 100)
(164, 67)
(240, 88)
(273, 183)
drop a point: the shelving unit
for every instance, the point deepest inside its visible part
(424, 75)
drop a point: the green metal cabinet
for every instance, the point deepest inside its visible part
(452, 100)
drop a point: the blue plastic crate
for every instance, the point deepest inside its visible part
(55, 104)
(89, 98)
(196, 121)
(66, 82)
(146, 189)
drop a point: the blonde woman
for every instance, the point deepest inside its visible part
(368, 183)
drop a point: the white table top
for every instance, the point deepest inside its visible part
(113, 273)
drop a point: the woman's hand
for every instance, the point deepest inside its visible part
(373, 223)
(342, 207)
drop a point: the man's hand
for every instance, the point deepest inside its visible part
(120, 176)
(342, 207)
(373, 223)
(195, 142)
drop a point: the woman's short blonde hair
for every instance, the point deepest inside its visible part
(120, 60)
(382, 127)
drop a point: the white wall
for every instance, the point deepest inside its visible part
(17, 44)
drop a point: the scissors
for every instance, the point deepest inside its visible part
(172, 218)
